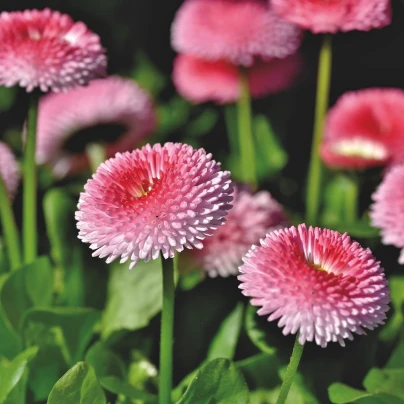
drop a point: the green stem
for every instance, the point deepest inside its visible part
(323, 89)
(10, 229)
(96, 155)
(246, 139)
(351, 199)
(290, 371)
(167, 325)
(30, 185)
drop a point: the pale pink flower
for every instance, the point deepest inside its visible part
(365, 128)
(387, 211)
(113, 110)
(199, 80)
(9, 170)
(232, 30)
(47, 49)
(317, 282)
(321, 16)
(252, 216)
(154, 199)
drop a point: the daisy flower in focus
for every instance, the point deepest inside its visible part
(113, 111)
(331, 16)
(154, 199)
(47, 49)
(387, 211)
(252, 216)
(316, 282)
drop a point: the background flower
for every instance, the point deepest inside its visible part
(46, 49)
(160, 198)
(114, 110)
(252, 216)
(232, 30)
(316, 282)
(9, 170)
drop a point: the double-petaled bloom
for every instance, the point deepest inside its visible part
(114, 111)
(9, 170)
(47, 49)
(154, 199)
(316, 282)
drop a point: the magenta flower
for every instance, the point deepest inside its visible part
(252, 216)
(232, 30)
(335, 15)
(364, 129)
(316, 282)
(154, 199)
(199, 80)
(46, 49)
(387, 211)
(114, 110)
(9, 170)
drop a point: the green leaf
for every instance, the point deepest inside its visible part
(219, 381)
(104, 361)
(78, 386)
(202, 124)
(396, 321)
(12, 375)
(30, 286)
(340, 393)
(258, 336)
(7, 98)
(117, 386)
(225, 341)
(66, 250)
(134, 297)
(390, 381)
(396, 360)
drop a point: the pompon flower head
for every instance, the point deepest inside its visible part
(316, 282)
(113, 110)
(332, 16)
(252, 216)
(387, 211)
(154, 199)
(232, 30)
(47, 49)
(9, 170)
(199, 80)
(364, 129)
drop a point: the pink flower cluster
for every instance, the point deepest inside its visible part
(9, 170)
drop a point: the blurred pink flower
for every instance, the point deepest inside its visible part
(112, 110)
(46, 49)
(199, 80)
(155, 199)
(9, 170)
(321, 16)
(387, 211)
(232, 30)
(316, 282)
(365, 128)
(252, 216)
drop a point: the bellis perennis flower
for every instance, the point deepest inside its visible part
(155, 199)
(46, 49)
(316, 282)
(335, 15)
(232, 30)
(113, 111)
(387, 211)
(252, 216)
(9, 170)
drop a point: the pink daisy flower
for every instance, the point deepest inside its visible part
(365, 128)
(331, 16)
(9, 170)
(252, 216)
(154, 199)
(232, 30)
(316, 282)
(387, 211)
(47, 49)
(114, 110)
(199, 80)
